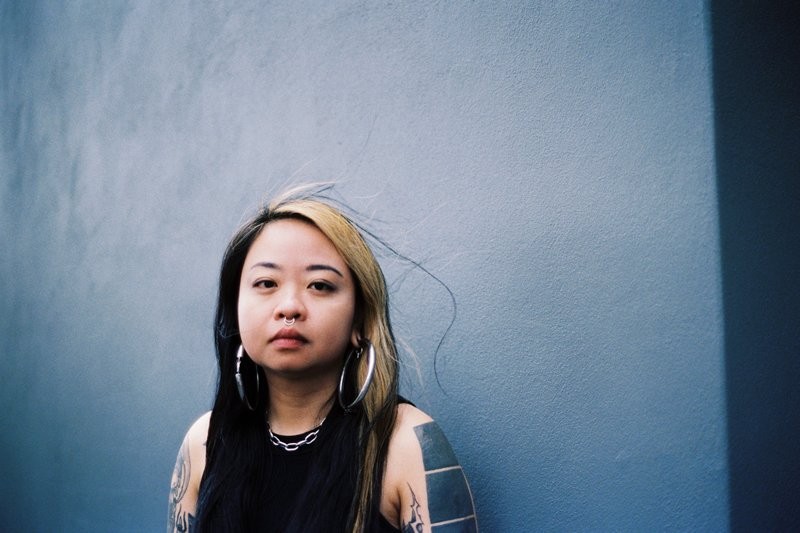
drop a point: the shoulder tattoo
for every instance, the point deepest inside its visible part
(450, 503)
(178, 519)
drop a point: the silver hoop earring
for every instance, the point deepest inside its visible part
(363, 344)
(240, 381)
(288, 323)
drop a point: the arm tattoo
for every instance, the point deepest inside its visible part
(449, 499)
(185, 523)
(414, 525)
(178, 519)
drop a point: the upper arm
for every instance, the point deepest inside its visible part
(186, 477)
(426, 490)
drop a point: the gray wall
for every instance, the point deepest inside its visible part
(552, 164)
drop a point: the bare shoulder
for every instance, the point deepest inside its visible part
(198, 431)
(420, 441)
(409, 417)
(424, 485)
(418, 436)
(404, 446)
(194, 446)
(186, 477)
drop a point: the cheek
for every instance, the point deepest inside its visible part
(249, 329)
(245, 314)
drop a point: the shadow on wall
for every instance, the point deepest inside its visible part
(756, 55)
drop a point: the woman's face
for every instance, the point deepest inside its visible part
(292, 271)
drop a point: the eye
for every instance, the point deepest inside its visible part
(264, 284)
(321, 286)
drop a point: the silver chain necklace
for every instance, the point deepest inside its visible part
(310, 437)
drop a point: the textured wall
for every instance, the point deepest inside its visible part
(552, 164)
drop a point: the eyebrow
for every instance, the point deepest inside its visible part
(309, 268)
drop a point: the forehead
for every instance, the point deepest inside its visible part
(292, 241)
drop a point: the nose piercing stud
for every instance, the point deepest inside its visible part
(288, 322)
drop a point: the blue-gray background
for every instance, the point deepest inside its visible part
(552, 163)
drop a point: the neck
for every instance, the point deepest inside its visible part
(296, 407)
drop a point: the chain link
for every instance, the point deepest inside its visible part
(293, 446)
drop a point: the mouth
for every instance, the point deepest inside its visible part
(288, 338)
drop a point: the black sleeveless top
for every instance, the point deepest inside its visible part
(289, 471)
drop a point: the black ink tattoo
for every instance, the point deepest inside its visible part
(415, 525)
(178, 519)
(450, 504)
(185, 523)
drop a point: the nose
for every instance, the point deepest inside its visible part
(290, 306)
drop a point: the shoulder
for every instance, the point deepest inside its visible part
(423, 482)
(417, 436)
(189, 467)
(404, 466)
(198, 431)
(404, 445)
(194, 448)
(408, 418)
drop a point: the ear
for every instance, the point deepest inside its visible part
(355, 336)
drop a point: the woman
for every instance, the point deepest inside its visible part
(307, 432)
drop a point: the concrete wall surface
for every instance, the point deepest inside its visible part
(551, 162)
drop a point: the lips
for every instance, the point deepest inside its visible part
(288, 338)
